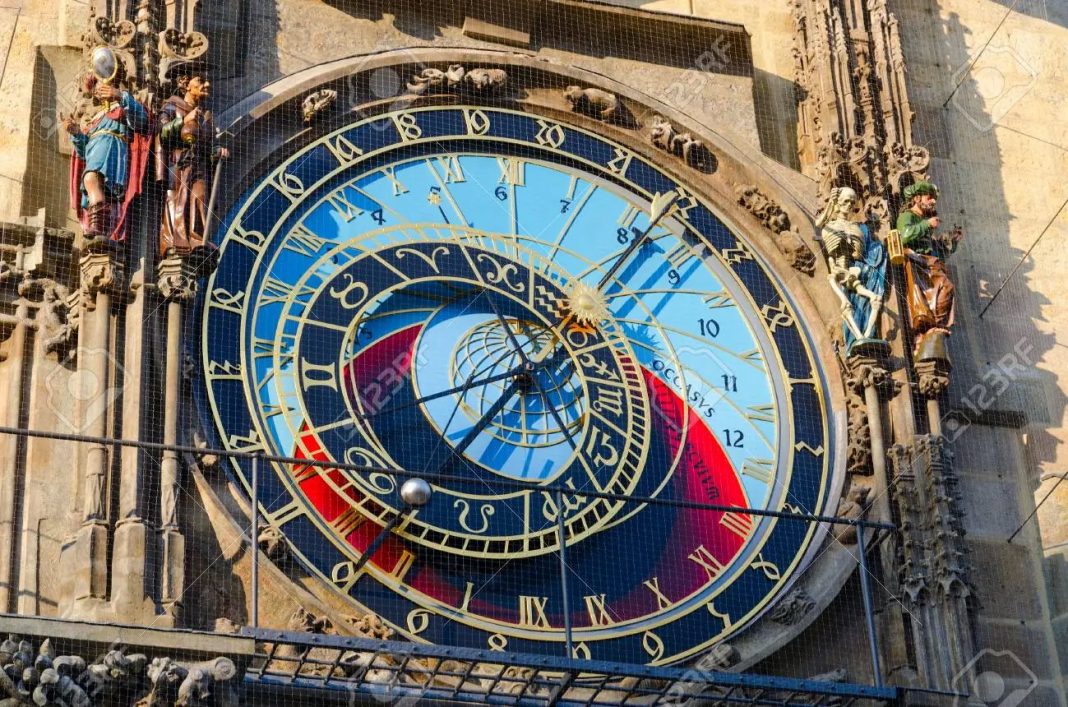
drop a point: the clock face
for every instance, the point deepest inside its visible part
(494, 302)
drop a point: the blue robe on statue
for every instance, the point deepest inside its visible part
(873, 276)
(105, 147)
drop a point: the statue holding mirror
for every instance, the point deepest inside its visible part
(110, 152)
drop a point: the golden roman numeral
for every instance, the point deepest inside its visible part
(705, 559)
(763, 413)
(532, 611)
(513, 171)
(398, 187)
(626, 219)
(740, 524)
(317, 374)
(404, 563)
(347, 521)
(303, 241)
(653, 585)
(452, 170)
(595, 607)
(342, 206)
(759, 469)
(718, 300)
(289, 512)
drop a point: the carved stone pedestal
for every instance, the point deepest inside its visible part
(90, 577)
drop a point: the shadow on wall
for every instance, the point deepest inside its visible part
(997, 380)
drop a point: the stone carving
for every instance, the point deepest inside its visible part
(593, 102)
(316, 103)
(792, 608)
(935, 577)
(103, 30)
(457, 77)
(857, 264)
(115, 678)
(486, 80)
(186, 46)
(858, 452)
(664, 135)
(272, 542)
(723, 656)
(929, 291)
(853, 506)
(776, 220)
(854, 114)
(57, 325)
(100, 273)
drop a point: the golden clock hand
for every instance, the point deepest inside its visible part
(659, 208)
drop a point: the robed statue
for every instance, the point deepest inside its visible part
(110, 153)
(930, 292)
(857, 264)
(185, 153)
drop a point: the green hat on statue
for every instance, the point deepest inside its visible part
(919, 188)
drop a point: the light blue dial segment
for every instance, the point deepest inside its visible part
(671, 297)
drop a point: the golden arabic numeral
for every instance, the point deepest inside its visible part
(344, 150)
(290, 185)
(349, 296)
(407, 127)
(653, 645)
(549, 134)
(770, 569)
(476, 121)
(582, 651)
(532, 611)
(621, 161)
(344, 575)
(418, 621)
(497, 642)
(722, 616)
(598, 612)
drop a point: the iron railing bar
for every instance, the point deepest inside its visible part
(502, 482)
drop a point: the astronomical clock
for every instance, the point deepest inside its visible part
(565, 338)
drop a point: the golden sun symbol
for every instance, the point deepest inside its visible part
(586, 304)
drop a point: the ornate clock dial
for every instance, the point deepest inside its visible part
(480, 296)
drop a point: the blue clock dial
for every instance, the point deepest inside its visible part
(502, 300)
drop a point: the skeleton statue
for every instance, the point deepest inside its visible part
(857, 264)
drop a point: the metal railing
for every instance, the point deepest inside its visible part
(414, 669)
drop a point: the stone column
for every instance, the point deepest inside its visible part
(101, 276)
(935, 582)
(177, 284)
(869, 376)
(9, 451)
(932, 371)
